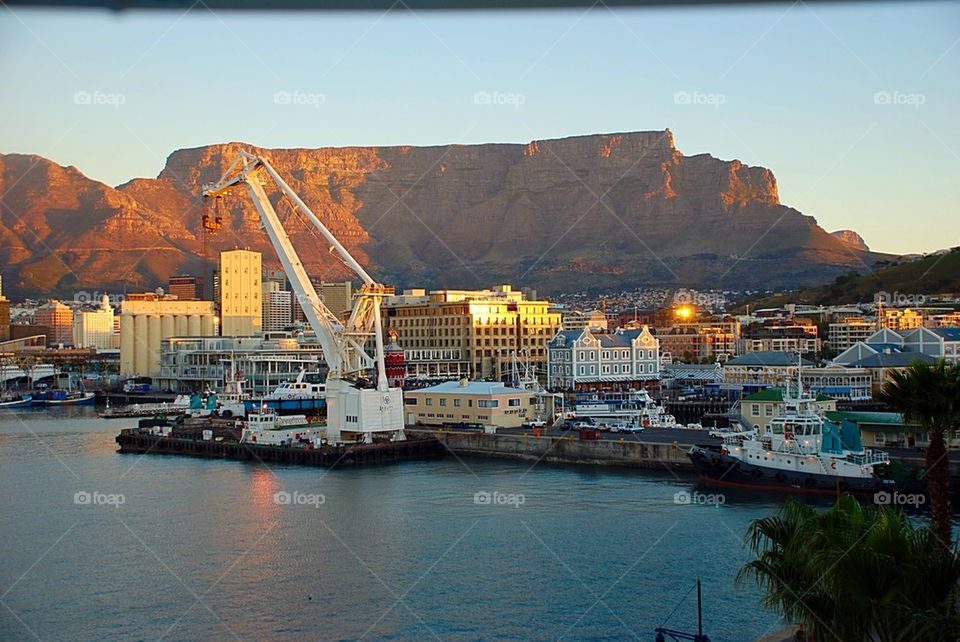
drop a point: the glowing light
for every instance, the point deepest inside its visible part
(684, 312)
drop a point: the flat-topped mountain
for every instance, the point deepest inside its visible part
(605, 210)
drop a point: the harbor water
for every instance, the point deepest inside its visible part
(101, 546)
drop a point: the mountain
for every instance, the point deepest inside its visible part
(852, 240)
(611, 210)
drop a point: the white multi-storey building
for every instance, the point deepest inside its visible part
(589, 360)
(94, 329)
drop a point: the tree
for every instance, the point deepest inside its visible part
(929, 395)
(855, 574)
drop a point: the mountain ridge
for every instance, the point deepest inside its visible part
(593, 211)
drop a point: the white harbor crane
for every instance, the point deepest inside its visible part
(357, 406)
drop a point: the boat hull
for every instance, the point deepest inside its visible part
(23, 402)
(86, 400)
(718, 469)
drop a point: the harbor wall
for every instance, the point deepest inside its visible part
(607, 452)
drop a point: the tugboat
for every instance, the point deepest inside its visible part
(801, 452)
(266, 427)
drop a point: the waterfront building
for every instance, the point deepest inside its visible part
(578, 320)
(843, 334)
(487, 403)
(186, 287)
(839, 382)
(762, 369)
(241, 312)
(887, 430)
(800, 338)
(757, 409)
(147, 319)
(58, 319)
(470, 333)
(4, 318)
(277, 307)
(581, 360)
(95, 329)
(338, 297)
(700, 341)
(901, 319)
(197, 363)
(937, 343)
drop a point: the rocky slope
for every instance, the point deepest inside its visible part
(853, 240)
(614, 210)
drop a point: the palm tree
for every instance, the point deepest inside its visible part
(855, 574)
(929, 395)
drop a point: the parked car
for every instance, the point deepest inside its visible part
(617, 426)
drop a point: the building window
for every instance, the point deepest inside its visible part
(488, 403)
(428, 401)
(456, 403)
(514, 402)
(410, 401)
(443, 402)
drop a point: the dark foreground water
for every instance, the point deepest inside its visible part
(100, 546)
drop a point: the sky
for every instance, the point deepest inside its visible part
(853, 106)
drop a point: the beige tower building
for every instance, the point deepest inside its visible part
(147, 319)
(58, 318)
(241, 302)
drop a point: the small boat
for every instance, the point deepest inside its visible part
(300, 395)
(16, 401)
(71, 398)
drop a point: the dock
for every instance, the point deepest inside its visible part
(563, 449)
(137, 441)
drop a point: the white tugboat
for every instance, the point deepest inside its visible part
(800, 452)
(266, 428)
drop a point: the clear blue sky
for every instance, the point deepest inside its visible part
(791, 88)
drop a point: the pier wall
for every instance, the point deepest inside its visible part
(607, 452)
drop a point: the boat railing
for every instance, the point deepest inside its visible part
(869, 458)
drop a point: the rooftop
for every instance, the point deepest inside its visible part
(767, 358)
(471, 388)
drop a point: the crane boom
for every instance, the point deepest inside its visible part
(351, 408)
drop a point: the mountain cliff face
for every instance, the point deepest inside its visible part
(852, 240)
(618, 210)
